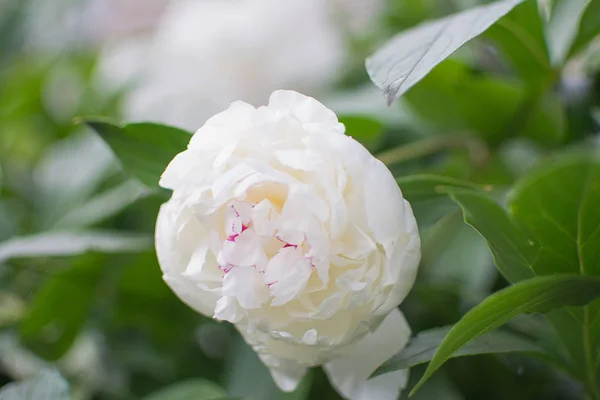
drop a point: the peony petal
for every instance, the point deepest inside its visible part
(203, 301)
(348, 374)
(306, 109)
(287, 375)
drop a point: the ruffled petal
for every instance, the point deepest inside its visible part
(348, 374)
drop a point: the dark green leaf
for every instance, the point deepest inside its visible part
(520, 37)
(366, 130)
(196, 389)
(513, 252)
(558, 206)
(423, 346)
(145, 149)
(60, 308)
(46, 385)
(539, 294)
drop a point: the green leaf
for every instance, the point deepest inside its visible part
(520, 37)
(46, 385)
(60, 308)
(54, 244)
(410, 55)
(427, 195)
(103, 206)
(513, 252)
(557, 205)
(366, 130)
(539, 294)
(589, 28)
(145, 149)
(453, 97)
(195, 389)
(563, 27)
(422, 347)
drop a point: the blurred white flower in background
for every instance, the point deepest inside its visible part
(284, 226)
(204, 54)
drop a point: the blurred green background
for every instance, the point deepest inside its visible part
(80, 287)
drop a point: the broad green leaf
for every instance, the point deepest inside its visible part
(144, 149)
(520, 37)
(54, 244)
(46, 385)
(410, 55)
(196, 389)
(539, 294)
(453, 97)
(558, 206)
(427, 195)
(563, 27)
(423, 346)
(60, 308)
(513, 252)
(589, 27)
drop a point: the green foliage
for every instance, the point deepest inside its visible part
(540, 294)
(493, 142)
(144, 149)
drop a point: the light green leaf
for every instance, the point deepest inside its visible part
(144, 149)
(423, 346)
(12, 308)
(513, 252)
(46, 385)
(60, 308)
(410, 55)
(54, 244)
(589, 27)
(103, 206)
(563, 27)
(539, 294)
(196, 389)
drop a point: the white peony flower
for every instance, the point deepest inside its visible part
(284, 226)
(204, 54)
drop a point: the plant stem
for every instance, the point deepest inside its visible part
(594, 390)
(425, 147)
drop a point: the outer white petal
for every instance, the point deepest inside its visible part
(348, 374)
(288, 375)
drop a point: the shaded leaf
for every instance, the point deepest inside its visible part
(53, 244)
(589, 27)
(410, 55)
(513, 251)
(539, 294)
(520, 37)
(46, 385)
(423, 346)
(144, 149)
(557, 205)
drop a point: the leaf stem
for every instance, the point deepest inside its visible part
(428, 146)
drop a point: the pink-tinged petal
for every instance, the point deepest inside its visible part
(348, 373)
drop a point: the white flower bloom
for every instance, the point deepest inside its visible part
(205, 54)
(284, 226)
